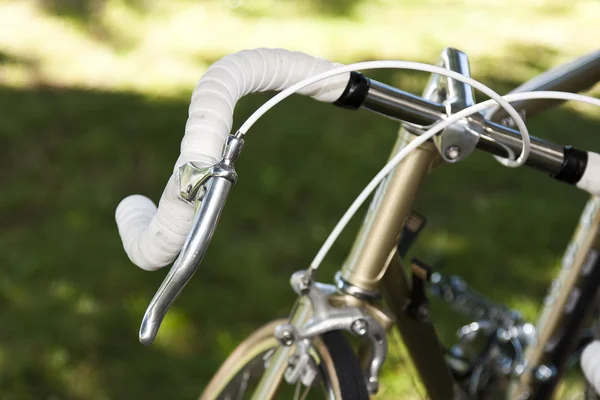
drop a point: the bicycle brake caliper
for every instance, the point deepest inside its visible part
(326, 318)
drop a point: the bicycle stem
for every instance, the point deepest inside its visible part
(493, 138)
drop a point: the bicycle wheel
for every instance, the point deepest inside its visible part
(341, 376)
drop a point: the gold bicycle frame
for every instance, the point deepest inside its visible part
(374, 263)
(373, 260)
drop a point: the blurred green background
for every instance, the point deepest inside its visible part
(94, 99)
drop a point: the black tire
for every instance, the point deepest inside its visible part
(347, 367)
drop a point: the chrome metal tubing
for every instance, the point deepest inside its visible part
(404, 106)
(456, 91)
(457, 141)
(497, 139)
(189, 259)
(544, 156)
(494, 138)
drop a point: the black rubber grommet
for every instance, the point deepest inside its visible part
(574, 165)
(355, 93)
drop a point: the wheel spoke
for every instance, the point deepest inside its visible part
(297, 391)
(243, 385)
(305, 393)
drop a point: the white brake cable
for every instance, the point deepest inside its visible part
(422, 139)
(392, 64)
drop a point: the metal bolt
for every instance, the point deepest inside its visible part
(436, 278)
(301, 282)
(360, 327)
(544, 373)
(452, 152)
(286, 338)
(305, 284)
(519, 369)
(529, 330)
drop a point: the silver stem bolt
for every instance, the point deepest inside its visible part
(452, 152)
(360, 327)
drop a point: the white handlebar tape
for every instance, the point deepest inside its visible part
(153, 237)
(590, 180)
(590, 364)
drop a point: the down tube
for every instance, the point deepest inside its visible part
(571, 297)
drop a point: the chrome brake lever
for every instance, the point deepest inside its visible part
(217, 180)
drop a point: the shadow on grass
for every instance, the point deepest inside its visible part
(70, 301)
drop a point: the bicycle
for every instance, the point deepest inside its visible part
(372, 292)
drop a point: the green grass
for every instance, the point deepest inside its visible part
(71, 302)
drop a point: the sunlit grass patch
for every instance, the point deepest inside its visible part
(163, 47)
